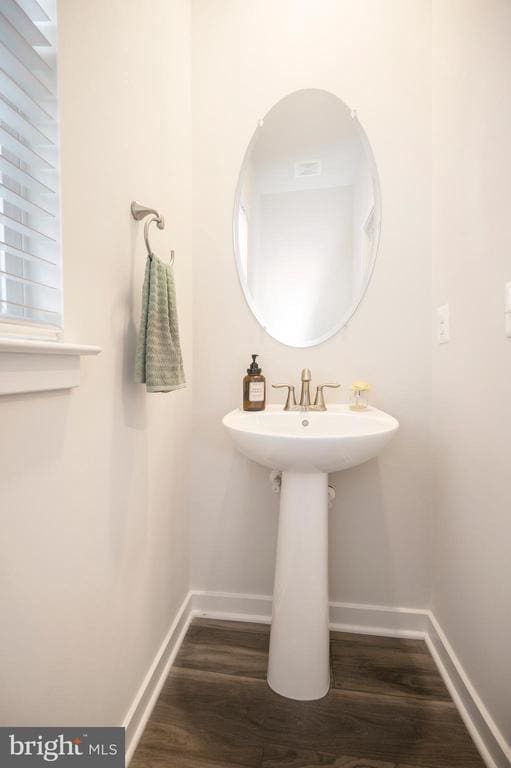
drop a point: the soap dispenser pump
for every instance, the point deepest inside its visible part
(254, 388)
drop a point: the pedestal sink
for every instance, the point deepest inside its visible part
(305, 446)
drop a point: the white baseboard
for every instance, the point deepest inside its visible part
(344, 617)
(230, 606)
(147, 695)
(494, 749)
(378, 620)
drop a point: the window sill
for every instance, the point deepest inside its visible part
(27, 365)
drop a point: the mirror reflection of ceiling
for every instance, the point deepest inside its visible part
(306, 222)
(321, 133)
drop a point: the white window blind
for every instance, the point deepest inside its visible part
(30, 262)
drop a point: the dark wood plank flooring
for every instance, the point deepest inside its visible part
(388, 708)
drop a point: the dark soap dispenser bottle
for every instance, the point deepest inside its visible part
(254, 388)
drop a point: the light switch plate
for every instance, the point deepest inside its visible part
(443, 325)
(507, 310)
(507, 307)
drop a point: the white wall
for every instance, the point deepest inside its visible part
(375, 55)
(472, 374)
(93, 495)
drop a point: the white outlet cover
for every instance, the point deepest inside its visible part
(443, 324)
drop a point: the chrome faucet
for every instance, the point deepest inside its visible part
(305, 400)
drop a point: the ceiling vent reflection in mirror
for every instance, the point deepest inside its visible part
(307, 168)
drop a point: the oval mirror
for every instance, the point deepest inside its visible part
(306, 218)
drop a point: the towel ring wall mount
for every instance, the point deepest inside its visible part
(139, 212)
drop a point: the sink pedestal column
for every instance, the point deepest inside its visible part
(299, 663)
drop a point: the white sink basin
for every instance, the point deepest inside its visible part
(311, 441)
(305, 446)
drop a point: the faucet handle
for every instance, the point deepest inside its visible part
(319, 400)
(291, 398)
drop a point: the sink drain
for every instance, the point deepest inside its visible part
(305, 423)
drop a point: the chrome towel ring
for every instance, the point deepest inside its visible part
(139, 212)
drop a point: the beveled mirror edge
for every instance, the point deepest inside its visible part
(343, 322)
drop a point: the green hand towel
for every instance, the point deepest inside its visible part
(158, 362)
